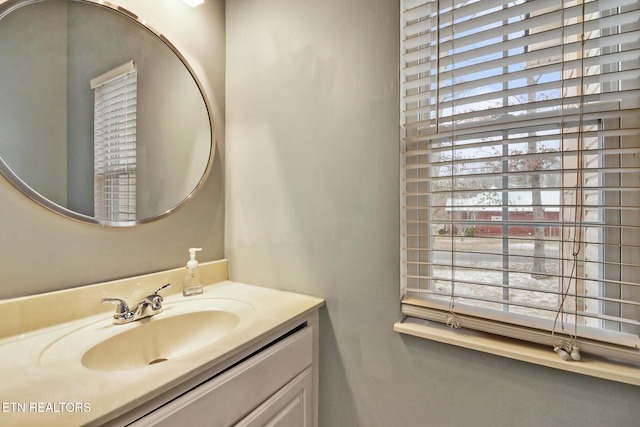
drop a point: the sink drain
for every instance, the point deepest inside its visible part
(159, 360)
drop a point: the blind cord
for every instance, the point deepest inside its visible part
(452, 319)
(563, 348)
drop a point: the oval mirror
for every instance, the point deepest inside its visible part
(102, 118)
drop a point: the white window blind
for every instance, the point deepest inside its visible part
(115, 109)
(521, 165)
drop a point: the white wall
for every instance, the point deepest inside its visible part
(41, 251)
(312, 206)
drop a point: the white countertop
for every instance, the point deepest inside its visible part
(65, 393)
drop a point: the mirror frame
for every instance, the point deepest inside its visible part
(9, 6)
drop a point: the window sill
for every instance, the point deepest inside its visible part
(519, 350)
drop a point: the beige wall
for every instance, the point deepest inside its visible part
(313, 206)
(41, 251)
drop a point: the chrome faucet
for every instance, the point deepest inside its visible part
(149, 306)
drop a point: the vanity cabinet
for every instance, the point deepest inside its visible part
(274, 383)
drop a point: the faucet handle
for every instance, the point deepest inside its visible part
(122, 307)
(156, 300)
(168, 285)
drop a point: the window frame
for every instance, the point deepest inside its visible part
(437, 321)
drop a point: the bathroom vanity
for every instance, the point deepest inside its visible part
(235, 355)
(271, 385)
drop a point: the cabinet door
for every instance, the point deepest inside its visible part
(290, 407)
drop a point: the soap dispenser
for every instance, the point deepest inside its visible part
(192, 284)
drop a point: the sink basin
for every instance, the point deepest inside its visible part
(182, 328)
(160, 339)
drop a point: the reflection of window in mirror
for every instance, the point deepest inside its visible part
(115, 104)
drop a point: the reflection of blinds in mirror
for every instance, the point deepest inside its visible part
(115, 105)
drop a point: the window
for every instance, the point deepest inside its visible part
(115, 106)
(521, 156)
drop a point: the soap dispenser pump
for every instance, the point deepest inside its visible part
(192, 284)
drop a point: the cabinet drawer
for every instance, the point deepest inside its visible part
(228, 397)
